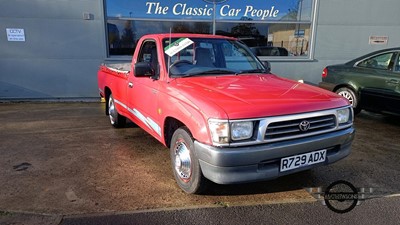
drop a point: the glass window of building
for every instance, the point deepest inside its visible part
(271, 28)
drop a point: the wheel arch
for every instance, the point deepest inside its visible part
(171, 124)
(184, 115)
(197, 129)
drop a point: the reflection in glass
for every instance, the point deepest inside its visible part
(124, 34)
(270, 39)
(287, 35)
(232, 10)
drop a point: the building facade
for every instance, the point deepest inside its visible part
(52, 49)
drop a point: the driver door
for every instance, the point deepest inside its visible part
(143, 91)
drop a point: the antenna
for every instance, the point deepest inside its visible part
(169, 57)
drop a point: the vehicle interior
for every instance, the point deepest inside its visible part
(215, 56)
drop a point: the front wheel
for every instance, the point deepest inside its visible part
(185, 164)
(116, 119)
(351, 96)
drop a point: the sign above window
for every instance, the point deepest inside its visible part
(233, 10)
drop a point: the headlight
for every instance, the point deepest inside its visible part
(241, 130)
(222, 131)
(344, 115)
(219, 131)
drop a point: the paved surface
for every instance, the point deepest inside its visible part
(375, 211)
(63, 159)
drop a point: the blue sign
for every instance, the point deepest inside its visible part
(232, 10)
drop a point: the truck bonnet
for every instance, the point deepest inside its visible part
(252, 96)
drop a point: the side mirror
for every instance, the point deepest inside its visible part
(143, 69)
(267, 65)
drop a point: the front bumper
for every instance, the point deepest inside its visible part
(261, 162)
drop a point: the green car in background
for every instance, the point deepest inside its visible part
(370, 82)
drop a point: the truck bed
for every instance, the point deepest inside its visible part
(117, 67)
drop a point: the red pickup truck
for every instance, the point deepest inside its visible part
(221, 112)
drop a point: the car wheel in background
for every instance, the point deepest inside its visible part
(351, 96)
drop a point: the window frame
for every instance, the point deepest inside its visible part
(396, 66)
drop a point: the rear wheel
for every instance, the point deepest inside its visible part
(185, 164)
(351, 96)
(115, 118)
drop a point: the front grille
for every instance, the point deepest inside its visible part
(292, 128)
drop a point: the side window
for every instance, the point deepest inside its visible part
(377, 62)
(145, 52)
(148, 53)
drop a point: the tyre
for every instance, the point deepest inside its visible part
(115, 118)
(185, 165)
(351, 96)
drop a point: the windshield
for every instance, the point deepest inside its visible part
(208, 56)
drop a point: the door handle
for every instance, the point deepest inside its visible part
(393, 81)
(130, 84)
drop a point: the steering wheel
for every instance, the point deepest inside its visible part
(180, 62)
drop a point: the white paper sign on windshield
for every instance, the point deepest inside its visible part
(177, 46)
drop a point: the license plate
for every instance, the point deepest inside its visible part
(306, 159)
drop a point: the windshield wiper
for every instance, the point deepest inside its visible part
(207, 72)
(251, 71)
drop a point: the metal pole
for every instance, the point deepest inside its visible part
(215, 11)
(214, 17)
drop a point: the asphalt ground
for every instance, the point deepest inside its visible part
(375, 211)
(64, 160)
